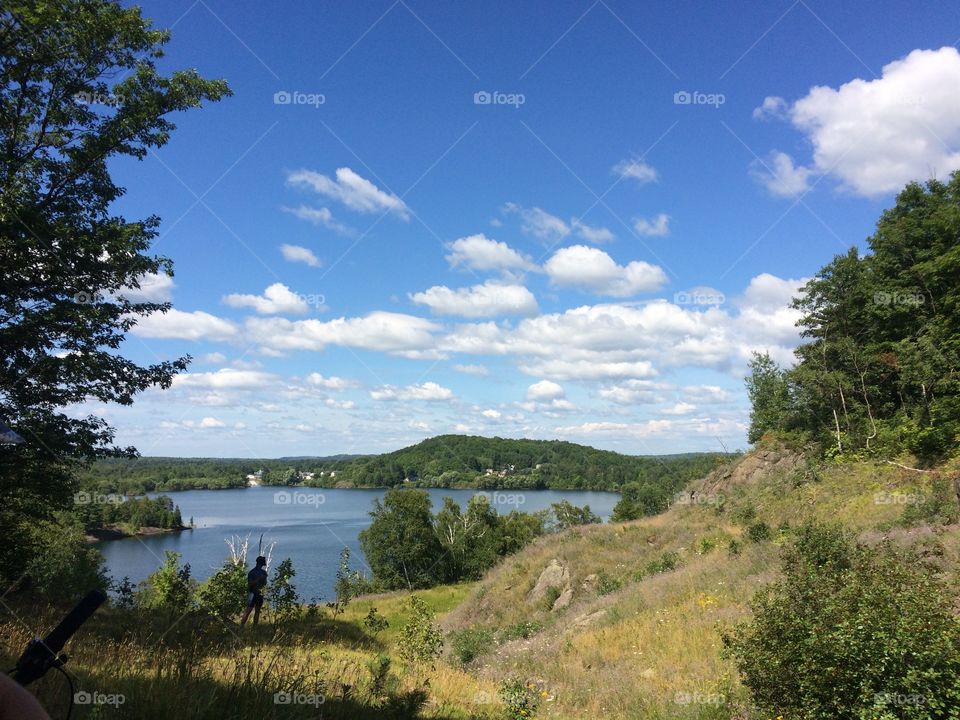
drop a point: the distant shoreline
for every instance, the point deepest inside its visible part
(115, 532)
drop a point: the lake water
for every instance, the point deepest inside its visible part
(310, 526)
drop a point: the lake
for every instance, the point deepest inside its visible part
(309, 525)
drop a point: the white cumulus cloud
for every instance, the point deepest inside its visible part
(276, 299)
(180, 325)
(488, 300)
(874, 136)
(429, 391)
(636, 170)
(478, 252)
(588, 268)
(658, 226)
(298, 253)
(354, 191)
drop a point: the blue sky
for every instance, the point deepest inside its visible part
(367, 253)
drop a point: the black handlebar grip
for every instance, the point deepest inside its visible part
(58, 637)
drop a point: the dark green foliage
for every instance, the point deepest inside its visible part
(281, 593)
(769, 397)
(407, 546)
(224, 594)
(879, 370)
(759, 532)
(69, 567)
(470, 643)
(420, 639)
(444, 461)
(374, 622)
(607, 584)
(400, 545)
(850, 632)
(567, 515)
(135, 513)
(665, 563)
(639, 500)
(169, 587)
(67, 262)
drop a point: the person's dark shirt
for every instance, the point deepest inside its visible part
(257, 579)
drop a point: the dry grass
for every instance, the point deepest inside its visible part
(632, 644)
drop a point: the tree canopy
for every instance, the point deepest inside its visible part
(878, 369)
(78, 86)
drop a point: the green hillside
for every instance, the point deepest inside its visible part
(442, 461)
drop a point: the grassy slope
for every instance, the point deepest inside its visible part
(641, 651)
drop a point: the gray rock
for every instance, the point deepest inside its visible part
(565, 597)
(554, 575)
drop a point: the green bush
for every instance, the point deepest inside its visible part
(374, 622)
(66, 567)
(224, 593)
(470, 643)
(169, 587)
(607, 584)
(523, 630)
(282, 594)
(759, 532)
(420, 640)
(733, 547)
(665, 563)
(850, 632)
(521, 699)
(705, 546)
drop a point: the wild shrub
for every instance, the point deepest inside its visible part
(522, 630)
(850, 631)
(282, 594)
(521, 699)
(420, 639)
(759, 532)
(169, 587)
(470, 643)
(224, 593)
(374, 622)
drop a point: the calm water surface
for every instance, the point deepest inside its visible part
(309, 525)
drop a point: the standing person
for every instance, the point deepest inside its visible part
(256, 581)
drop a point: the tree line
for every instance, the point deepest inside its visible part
(879, 369)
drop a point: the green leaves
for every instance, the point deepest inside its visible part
(880, 369)
(848, 631)
(78, 87)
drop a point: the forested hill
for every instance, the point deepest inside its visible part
(442, 461)
(450, 460)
